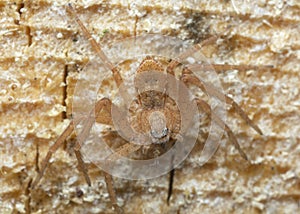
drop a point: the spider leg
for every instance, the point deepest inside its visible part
(51, 151)
(102, 105)
(189, 52)
(204, 106)
(188, 77)
(96, 47)
(124, 150)
(121, 151)
(112, 192)
(219, 68)
(209, 89)
(82, 167)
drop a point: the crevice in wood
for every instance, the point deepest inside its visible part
(37, 157)
(65, 91)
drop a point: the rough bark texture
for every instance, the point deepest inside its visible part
(43, 51)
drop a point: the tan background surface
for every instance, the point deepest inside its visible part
(42, 52)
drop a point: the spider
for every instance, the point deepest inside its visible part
(152, 113)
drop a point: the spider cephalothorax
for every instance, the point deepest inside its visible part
(154, 112)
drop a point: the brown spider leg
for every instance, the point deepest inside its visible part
(225, 67)
(51, 151)
(103, 104)
(96, 47)
(124, 150)
(206, 108)
(112, 193)
(82, 167)
(209, 89)
(121, 151)
(189, 52)
(189, 78)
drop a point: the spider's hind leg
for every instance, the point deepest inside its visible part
(189, 78)
(204, 106)
(124, 150)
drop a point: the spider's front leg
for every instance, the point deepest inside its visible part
(101, 105)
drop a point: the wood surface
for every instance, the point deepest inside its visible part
(42, 52)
